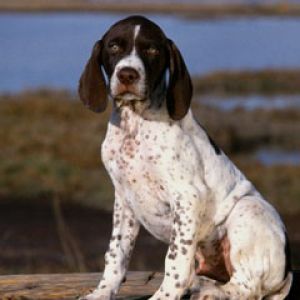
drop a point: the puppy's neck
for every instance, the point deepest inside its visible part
(129, 117)
(130, 121)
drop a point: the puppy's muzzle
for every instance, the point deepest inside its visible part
(128, 85)
(128, 76)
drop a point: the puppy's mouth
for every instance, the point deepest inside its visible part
(129, 96)
(126, 94)
(130, 100)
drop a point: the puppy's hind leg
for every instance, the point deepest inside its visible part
(219, 291)
(208, 290)
(205, 288)
(283, 289)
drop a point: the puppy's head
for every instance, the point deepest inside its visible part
(136, 55)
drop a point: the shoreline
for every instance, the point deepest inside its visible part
(245, 82)
(194, 11)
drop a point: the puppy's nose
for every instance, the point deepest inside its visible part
(128, 75)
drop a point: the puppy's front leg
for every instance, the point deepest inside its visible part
(180, 259)
(124, 233)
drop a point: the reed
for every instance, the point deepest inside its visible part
(191, 10)
(50, 147)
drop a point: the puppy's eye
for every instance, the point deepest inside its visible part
(114, 48)
(152, 51)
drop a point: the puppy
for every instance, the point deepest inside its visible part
(170, 177)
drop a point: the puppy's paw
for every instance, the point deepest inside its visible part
(203, 297)
(164, 295)
(208, 296)
(96, 295)
(157, 296)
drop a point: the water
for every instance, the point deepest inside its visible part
(269, 157)
(252, 102)
(50, 50)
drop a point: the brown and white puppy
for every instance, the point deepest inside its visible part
(170, 177)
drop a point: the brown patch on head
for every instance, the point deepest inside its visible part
(180, 90)
(92, 86)
(158, 55)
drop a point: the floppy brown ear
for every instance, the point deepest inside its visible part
(92, 87)
(180, 89)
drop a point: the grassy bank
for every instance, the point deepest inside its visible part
(51, 146)
(266, 82)
(193, 10)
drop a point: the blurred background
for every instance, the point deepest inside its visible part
(55, 196)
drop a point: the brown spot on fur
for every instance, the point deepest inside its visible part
(172, 256)
(173, 247)
(186, 242)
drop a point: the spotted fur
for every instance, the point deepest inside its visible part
(170, 177)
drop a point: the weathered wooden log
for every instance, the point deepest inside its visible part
(138, 286)
(72, 286)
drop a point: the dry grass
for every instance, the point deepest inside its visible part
(278, 184)
(245, 82)
(242, 131)
(193, 10)
(51, 147)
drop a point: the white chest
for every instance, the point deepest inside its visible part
(148, 162)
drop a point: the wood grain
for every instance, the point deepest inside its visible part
(72, 286)
(138, 286)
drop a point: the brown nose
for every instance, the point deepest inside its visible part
(128, 75)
